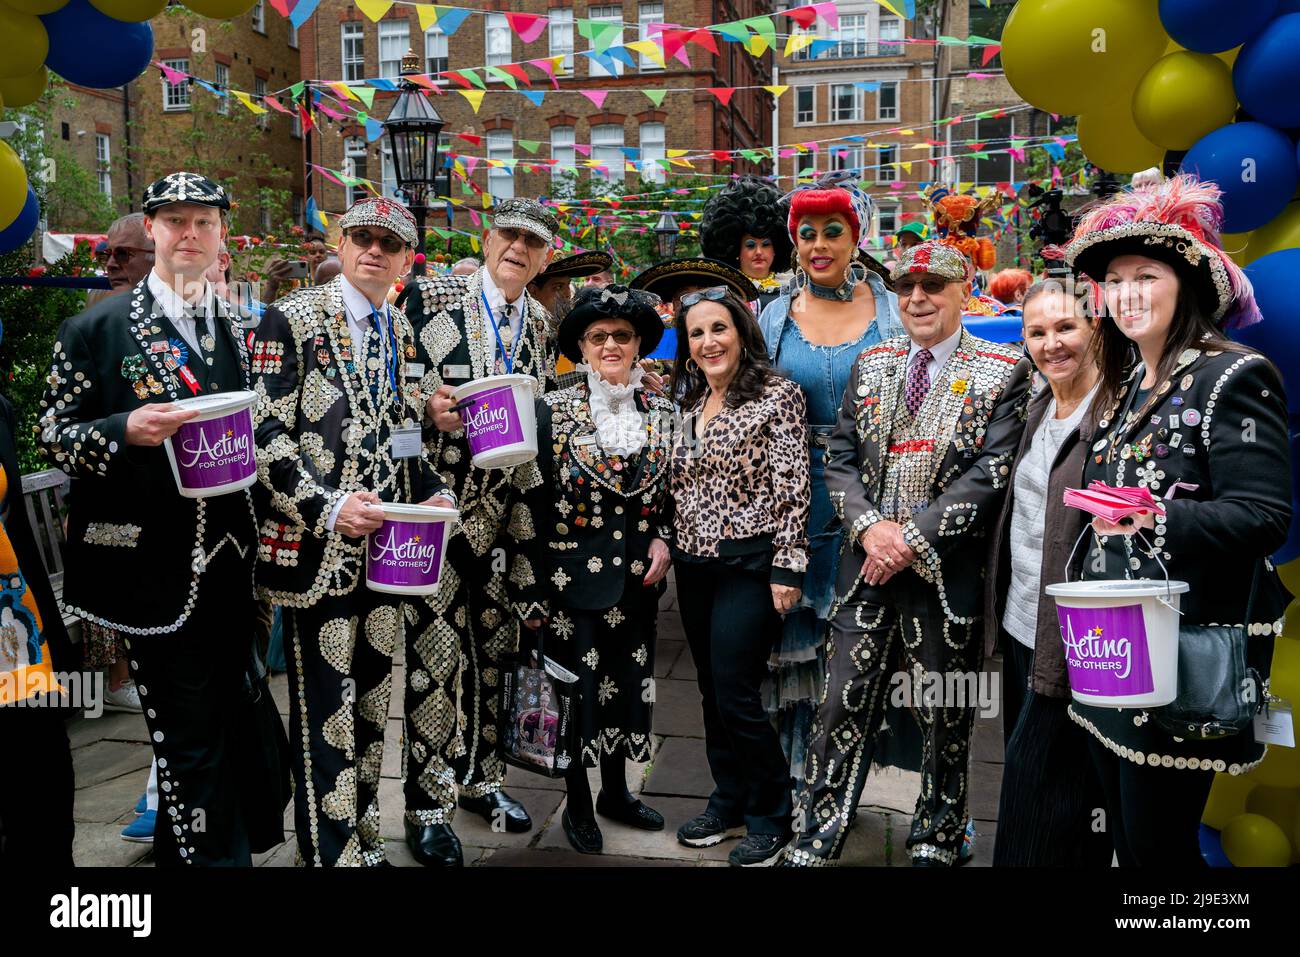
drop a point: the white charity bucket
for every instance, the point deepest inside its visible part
(214, 454)
(501, 425)
(1121, 640)
(404, 556)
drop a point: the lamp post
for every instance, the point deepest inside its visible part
(413, 127)
(666, 233)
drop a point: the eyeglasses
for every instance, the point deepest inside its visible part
(931, 287)
(599, 337)
(389, 243)
(714, 293)
(120, 254)
(532, 241)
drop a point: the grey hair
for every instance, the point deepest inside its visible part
(467, 261)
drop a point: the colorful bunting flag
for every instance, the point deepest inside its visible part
(528, 26)
(596, 96)
(314, 216)
(248, 101)
(723, 93)
(475, 97)
(655, 96)
(365, 94)
(374, 9)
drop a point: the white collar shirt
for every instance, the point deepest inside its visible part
(175, 308)
(497, 302)
(939, 354)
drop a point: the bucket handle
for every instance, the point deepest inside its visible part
(1167, 601)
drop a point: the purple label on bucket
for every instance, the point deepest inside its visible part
(1106, 650)
(492, 421)
(405, 553)
(215, 452)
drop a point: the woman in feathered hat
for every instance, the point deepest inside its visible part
(744, 226)
(1201, 422)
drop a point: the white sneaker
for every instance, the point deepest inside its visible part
(125, 698)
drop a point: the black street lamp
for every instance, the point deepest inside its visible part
(413, 127)
(666, 234)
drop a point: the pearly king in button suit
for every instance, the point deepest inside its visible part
(921, 454)
(172, 574)
(336, 432)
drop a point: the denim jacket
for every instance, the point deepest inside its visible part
(777, 313)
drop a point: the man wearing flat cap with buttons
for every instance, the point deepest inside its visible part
(470, 327)
(916, 469)
(336, 434)
(172, 574)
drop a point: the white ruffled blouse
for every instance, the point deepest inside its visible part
(619, 424)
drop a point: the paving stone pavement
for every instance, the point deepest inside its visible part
(111, 758)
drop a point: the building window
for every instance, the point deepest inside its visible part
(297, 210)
(846, 158)
(497, 35)
(846, 103)
(354, 52)
(354, 164)
(886, 219)
(563, 173)
(560, 33)
(891, 35)
(615, 15)
(103, 170)
(997, 134)
(887, 101)
(222, 82)
(388, 175)
(805, 104)
(852, 36)
(887, 169)
(259, 17)
(607, 150)
(177, 97)
(259, 91)
(500, 146)
(394, 41)
(647, 14)
(292, 41)
(652, 149)
(435, 51)
(805, 53)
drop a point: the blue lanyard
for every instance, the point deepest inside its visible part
(508, 359)
(390, 353)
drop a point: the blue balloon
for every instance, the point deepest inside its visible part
(1006, 329)
(667, 348)
(1266, 73)
(21, 229)
(1255, 166)
(1212, 26)
(1212, 847)
(92, 49)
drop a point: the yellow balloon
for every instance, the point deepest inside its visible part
(1237, 245)
(1227, 799)
(24, 90)
(1284, 676)
(1109, 137)
(130, 11)
(13, 186)
(1251, 840)
(1279, 805)
(1065, 56)
(1279, 769)
(1280, 232)
(1182, 97)
(220, 9)
(24, 44)
(36, 8)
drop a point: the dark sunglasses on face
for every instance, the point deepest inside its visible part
(931, 287)
(715, 293)
(120, 254)
(597, 338)
(531, 241)
(364, 239)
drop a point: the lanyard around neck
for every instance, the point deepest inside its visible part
(507, 358)
(389, 348)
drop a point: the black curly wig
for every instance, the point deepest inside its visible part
(746, 205)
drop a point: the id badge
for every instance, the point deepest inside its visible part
(415, 370)
(405, 442)
(1276, 725)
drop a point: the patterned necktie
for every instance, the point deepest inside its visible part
(918, 380)
(506, 330)
(374, 355)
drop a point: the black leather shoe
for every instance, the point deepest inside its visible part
(632, 813)
(497, 805)
(434, 845)
(583, 835)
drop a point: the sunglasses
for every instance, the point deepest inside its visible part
(510, 234)
(364, 239)
(931, 287)
(120, 254)
(714, 293)
(599, 337)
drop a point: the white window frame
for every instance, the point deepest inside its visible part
(496, 34)
(259, 90)
(855, 115)
(881, 112)
(651, 171)
(354, 148)
(104, 164)
(259, 17)
(614, 13)
(500, 145)
(798, 114)
(604, 153)
(564, 172)
(887, 170)
(893, 46)
(645, 17)
(434, 37)
(890, 211)
(354, 67)
(221, 80)
(851, 37)
(389, 30)
(176, 98)
(846, 157)
(559, 36)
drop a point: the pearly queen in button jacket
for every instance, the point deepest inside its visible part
(119, 355)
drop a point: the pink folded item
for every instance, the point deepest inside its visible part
(1110, 503)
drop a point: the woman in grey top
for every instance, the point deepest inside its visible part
(1049, 786)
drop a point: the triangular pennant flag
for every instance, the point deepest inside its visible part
(821, 44)
(733, 32)
(450, 19)
(374, 130)
(428, 15)
(281, 7)
(892, 7)
(528, 26)
(622, 54)
(831, 14)
(764, 27)
(756, 46)
(274, 104)
(470, 138)
(380, 83)
(655, 96)
(314, 216)
(475, 97)
(650, 49)
(535, 95)
(601, 33)
(307, 124)
(174, 77)
(776, 91)
(798, 41)
(295, 91)
(803, 16)
(209, 87)
(503, 76)
(344, 93)
(519, 73)
(248, 101)
(703, 38)
(583, 148)
(547, 67)
(302, 12)
(723, 93)
(374, 9)
(596, 96)
(365, 94)
(989, 53)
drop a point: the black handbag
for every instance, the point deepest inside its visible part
(537, 725)
(1218, 693)
(261, 760)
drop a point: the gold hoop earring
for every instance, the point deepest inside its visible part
(692, 366)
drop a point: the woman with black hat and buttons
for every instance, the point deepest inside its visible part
(1201, 422)
(593, 528)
